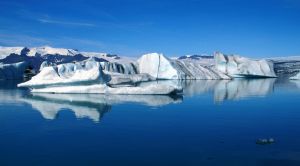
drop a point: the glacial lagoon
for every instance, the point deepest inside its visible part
(214, 122)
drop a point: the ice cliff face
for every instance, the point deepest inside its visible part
(236, 66)
(158, 66)
(296, 77)
(89, 72)
(117, 67)
(161, 67)
(286, 66)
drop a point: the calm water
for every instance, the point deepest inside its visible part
(212, 123)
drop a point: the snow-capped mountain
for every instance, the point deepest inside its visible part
(196, 57)
(45, 51)
(36, 55)
(42, 51)
(6, 51)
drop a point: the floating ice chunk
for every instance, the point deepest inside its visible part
(67, 74)
(161, 67)
(157, 66)
(88, 77)
(237, 66)
(104, 89)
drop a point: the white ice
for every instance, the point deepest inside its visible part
(236, 66)
(88, 77)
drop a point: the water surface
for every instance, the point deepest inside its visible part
(212, 123)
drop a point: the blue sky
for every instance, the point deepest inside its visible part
(257, 28)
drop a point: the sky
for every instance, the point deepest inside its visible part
(256, 28)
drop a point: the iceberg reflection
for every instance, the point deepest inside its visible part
(229, 89)
(49, 106)
(92, 106)
(243, 88)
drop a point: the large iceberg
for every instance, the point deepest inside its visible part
(88, 77)
(236, 66)
(161, 67)
(286, 67)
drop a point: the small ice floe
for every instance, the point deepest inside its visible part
(265, 141)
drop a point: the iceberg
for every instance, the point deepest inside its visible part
(88, 77)
(67, 74)
(236, 66)
(286, 67)
(104, 89)
(161, 67)
(158, 66)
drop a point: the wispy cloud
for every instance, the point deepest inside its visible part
(68, 42)
(51, 21)
(71, 41)
(21, 40)
(106, 20)
(99, 24)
